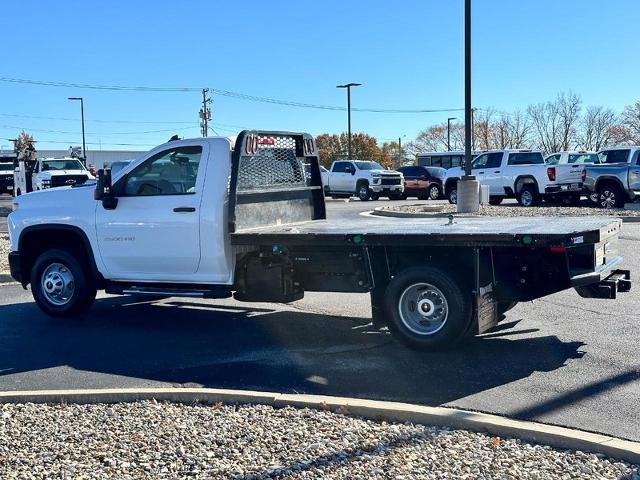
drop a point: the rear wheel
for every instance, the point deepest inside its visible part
(610, 196)
(434, 192)
(427, 309)
(61, 285)
(528, 196)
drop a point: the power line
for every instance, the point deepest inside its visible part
(97, 134)
(224, 93)
(141, 122)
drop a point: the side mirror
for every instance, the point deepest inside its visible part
(104, 191)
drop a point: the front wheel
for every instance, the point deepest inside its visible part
(453, 195)
(364, 193)
(427, 309)
(528, 196)
(61, 285)
(434, 192)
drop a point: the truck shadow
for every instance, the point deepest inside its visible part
(228, 346)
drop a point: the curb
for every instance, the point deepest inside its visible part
(557, 437)
(6, 278)
(382, 212)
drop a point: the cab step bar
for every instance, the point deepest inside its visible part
(169, 290)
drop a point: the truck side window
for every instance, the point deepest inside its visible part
(480, 161)
(340, 167)
(171, 172)
(494, 160)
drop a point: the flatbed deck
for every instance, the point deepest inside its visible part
(437, 231)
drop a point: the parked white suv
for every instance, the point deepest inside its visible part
(363, 178)
(522, 174)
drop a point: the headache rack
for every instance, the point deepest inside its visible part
(275, 180)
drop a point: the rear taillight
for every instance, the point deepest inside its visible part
(551, 173)
(583, 175)
(557, 249)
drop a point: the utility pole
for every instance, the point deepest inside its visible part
(449, 133)
(205, 112)
(348, 87)
(399, 151)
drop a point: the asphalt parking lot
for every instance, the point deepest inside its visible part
(561, 359)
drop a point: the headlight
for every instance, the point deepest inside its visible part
(376, 179)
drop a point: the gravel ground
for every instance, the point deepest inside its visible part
(517, 211)
(163, 440)
(4, 252)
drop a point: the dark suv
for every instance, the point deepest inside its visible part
(423, 182)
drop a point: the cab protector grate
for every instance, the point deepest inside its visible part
(273, 165)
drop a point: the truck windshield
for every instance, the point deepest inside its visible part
(62, 165)
(6, 166)
(369, 166)
(526, 158)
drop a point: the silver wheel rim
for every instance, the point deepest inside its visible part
(58, 284)
(453, 196)
(608, 199)
(423, 309)
(526, 198)
(363, 192)
(434, 193)
(594, 197)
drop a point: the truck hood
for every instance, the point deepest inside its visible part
(385, 173)
(61, 173)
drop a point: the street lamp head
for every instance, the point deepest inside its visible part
(74, 98)
(347, 85)
(451, 118)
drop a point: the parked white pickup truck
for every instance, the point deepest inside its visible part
(49, 173)
(210, 219)
(522, 174)
(578, 159)
(363, 178)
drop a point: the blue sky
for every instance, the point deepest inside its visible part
(408, 54)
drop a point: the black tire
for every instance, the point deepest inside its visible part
(363, 191)
(528, 196)
(434, 193)
(375, 197)
(452, 195)
(610, 195)
(427, 334)
(80, 297)
(495, 200)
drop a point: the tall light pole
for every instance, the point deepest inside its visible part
(84, 146)
(348, 87)
(468, 187)
(449, 133)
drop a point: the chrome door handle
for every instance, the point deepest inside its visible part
(184, 209)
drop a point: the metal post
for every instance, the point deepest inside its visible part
(84, 145)
(348, 87)
(400, 151)
(468, 198)
(467, 88)
(449, 133)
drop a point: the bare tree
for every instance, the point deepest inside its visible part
(630, 122)
(434, 139)
(510, 130)
(597, 128)
(554, 123)
(483, 128)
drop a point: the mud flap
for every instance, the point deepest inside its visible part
(486, 308)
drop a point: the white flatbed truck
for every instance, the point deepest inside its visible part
(207, 218)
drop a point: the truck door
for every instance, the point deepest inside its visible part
(155, 228)
(493, 174)
(634, 173)
(479, 167)
(341, 177)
